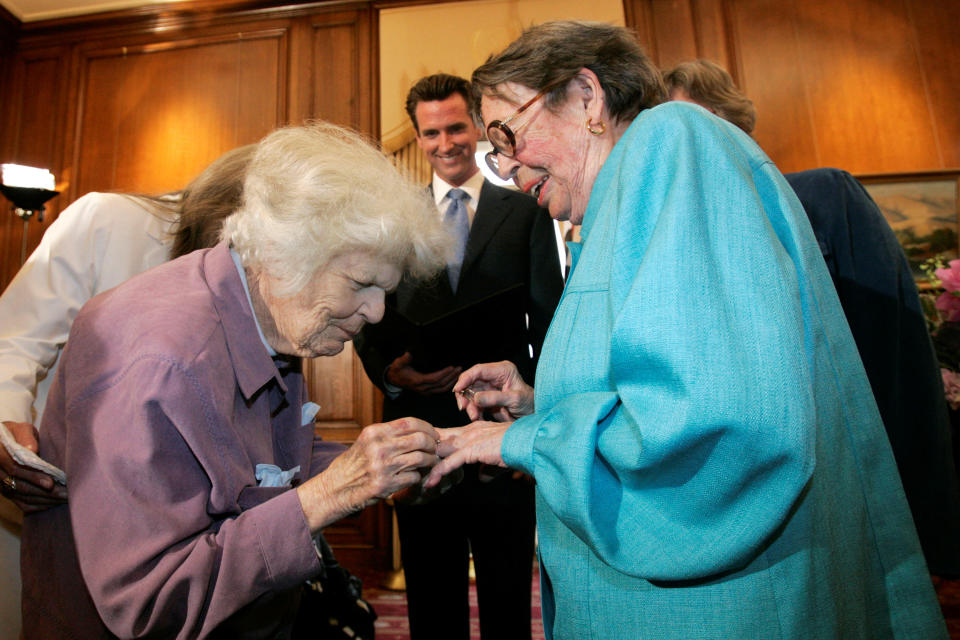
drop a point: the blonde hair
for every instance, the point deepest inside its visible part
(710, 86)
(209, 199)
(317, 191)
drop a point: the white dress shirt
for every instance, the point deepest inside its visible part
(95, 244)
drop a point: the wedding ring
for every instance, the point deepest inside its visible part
(10, 484)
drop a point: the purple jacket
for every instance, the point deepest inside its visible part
(165, 401)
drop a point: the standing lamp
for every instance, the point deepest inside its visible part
(394, 580)
(28, 188)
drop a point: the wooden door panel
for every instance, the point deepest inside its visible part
(836, 84)
(770, 74)
(338, 89)
(152, 117)
(935, 29)
(341, 388)
(860, 67)
(859, 85)
(341, 42)
(32, 106)
(348, 402)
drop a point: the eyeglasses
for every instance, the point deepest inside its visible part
(502, 137)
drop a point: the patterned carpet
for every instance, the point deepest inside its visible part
(949, 593)
(391, 608)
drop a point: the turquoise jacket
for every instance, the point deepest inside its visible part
(710, 462)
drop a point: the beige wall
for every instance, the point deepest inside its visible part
(456, 38)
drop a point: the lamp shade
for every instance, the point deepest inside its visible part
(27, 198)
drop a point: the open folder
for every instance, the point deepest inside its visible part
(452, 338)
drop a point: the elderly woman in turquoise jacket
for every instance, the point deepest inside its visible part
(709, 459)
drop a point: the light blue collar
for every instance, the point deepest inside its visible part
(246, 290)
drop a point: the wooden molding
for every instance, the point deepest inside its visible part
(396, 139)
(7, 19)
(169, 18)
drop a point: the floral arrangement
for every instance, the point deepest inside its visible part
(943, 317)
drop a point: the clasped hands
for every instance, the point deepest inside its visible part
(494, 389)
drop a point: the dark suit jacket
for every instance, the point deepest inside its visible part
(511, 241)
(879, 298)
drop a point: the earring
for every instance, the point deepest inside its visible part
(600, 127)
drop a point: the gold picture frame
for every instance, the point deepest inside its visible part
(923, 209)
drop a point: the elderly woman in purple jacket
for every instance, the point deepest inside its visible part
(196, 481)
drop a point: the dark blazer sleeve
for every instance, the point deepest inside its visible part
(879, 297)
(546, 280)
(376, 350)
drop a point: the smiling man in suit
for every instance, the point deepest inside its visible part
(507, 241)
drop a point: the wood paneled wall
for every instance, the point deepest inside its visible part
(870, 86)
(141, 101)
(9, 33)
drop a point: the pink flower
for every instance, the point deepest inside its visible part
(951, 388)
(950, 277)
(949, 304)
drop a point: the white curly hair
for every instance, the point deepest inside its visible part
(317, 191)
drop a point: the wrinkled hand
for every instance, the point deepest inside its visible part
(477, 442)
(496, 387)
(385, 459)
(36, 491)
(401, 374)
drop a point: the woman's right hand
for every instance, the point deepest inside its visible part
(35, 490)
(385, 459)
(496, 387)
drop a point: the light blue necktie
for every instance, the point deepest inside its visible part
(458, 222)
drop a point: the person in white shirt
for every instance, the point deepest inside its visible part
(99, 241)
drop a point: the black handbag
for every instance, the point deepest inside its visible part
(332, 605)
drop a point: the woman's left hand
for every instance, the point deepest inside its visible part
(385, 459)
(29, 489)
(476, 442)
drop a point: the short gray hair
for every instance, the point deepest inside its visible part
(317, 191)
(555, 51)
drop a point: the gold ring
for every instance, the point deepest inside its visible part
(10, 484)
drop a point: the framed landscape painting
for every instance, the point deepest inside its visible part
(923, 211)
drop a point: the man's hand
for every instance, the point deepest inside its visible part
(29, 489)
(401, 374)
